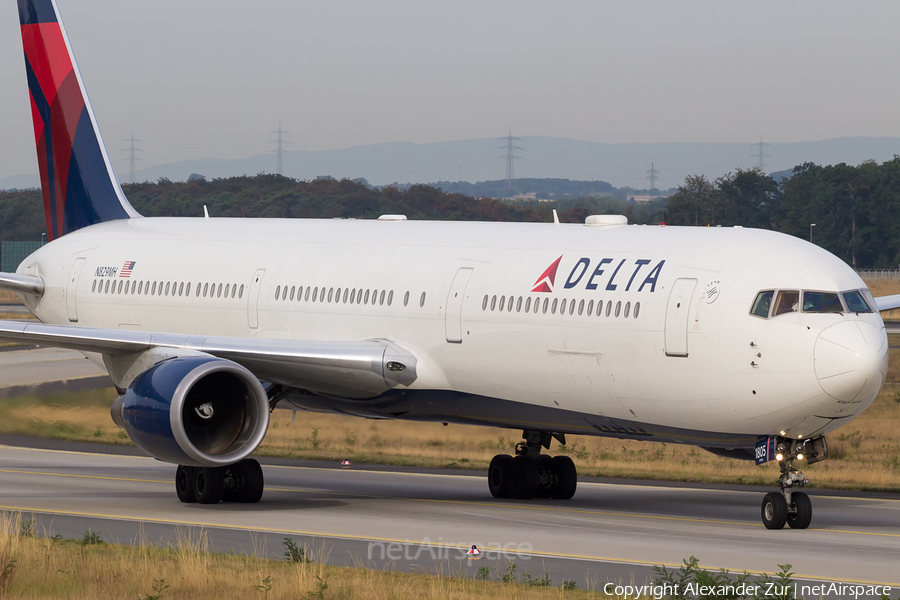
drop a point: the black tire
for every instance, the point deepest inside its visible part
(566, 478)
(544, 490)
(498, 476)
(774, 511)
(252, 482)
(523, 477)
(800, 511)
(208, 486)
(184, 484)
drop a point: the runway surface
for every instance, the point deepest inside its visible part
(48, 369)
(609, 531)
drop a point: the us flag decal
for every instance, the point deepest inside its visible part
(126, 268)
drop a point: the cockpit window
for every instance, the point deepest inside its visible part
(822, 302)
(762, 303)
(787, 301)
(856, 303)
(869, 299)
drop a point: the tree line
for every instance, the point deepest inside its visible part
(855, 209)
(851, 211)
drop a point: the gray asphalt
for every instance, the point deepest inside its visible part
(40, 370)
(413, 520)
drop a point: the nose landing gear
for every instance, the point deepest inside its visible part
(530, 474)
(788, 506)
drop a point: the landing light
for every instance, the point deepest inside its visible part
(779, 457)
(799, 457)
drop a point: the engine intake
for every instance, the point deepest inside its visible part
(198, 411)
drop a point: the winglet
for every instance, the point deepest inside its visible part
(77, 178)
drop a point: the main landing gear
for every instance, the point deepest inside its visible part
(530, 474)
(787, 506)
(240, 482)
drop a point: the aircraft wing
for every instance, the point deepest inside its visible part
(352, 369)
(887, 302)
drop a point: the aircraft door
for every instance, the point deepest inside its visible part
(72, 289)
(253, 298)
(677, 315)
(455, 298)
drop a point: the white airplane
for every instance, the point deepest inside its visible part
(748, 343)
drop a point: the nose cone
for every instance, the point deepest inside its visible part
(851, 361)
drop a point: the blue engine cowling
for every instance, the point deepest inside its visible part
(199, 411)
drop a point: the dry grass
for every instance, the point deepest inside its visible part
(865, 454)
(885, 287)
(7, 297)
(32, 567)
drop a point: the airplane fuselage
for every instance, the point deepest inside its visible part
(638, 332)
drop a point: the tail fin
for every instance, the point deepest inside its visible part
(79, 185)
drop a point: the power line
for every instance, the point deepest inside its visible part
(652, 175)
(132, 156)
(761, 153)
(279, 151)
(511, 157)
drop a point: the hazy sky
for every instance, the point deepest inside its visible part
(203, 78)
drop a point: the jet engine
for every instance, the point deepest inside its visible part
(199, 411)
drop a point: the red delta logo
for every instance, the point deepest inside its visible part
(546, 281)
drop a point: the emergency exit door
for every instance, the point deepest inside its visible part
(677, 315)
(453, 316)
(253, 298)
(72, 289)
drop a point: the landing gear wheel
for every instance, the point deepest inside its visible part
(184, 484)
(545, 477)
(523, 477)
(208, 486)
(498, 476)
(774, 511)
(251, 477)
(566, 477)
(799, 513)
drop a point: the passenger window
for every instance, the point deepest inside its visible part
(572, 307)
(761, 304)
(140, 287)
(94, 287)
(422, 300)
(366, 301)
(153, 291)
(233, 289)
(855, 302)
(181, 289)
(127, 285)
(502, 302)
(562, 307)
(187, 291)
(787, 301)
(553, 308)
(346, 294)
(353, 296)
(315, 293)
(527, 304)
(608, 308)
(374, 297)
(390, 297)
(581, 308)
(305, 298)
(822, 302)
(493, 303)
(241, 291)
(168, 283)
(205, 289)
(330, 294)
(627, 309)
(381, 298)
(599, 308)
(519, 304)
(637, 309)
(406, 299)
(546, 303)
(219, 291)
(120, 287)
(618, 307)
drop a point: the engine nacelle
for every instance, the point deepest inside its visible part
(199, 411)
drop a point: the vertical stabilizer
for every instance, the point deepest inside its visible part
(79, 185)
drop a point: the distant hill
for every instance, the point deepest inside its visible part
(620, 165)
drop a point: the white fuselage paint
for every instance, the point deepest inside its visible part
(725, 370)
